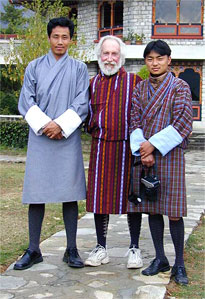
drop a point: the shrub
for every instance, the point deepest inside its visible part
(8, 103)
(143, 73)
(14, 133)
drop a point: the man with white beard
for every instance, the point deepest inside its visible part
(110, 158)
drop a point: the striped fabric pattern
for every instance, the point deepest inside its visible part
(108, 177)
(110, 158)
(111, 101)
(152, 111)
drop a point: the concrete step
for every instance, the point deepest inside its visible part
(197, 141)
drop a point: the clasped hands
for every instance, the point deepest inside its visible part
(53, 131)
(146, 149)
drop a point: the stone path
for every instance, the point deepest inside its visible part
(16, 159)
(54, 279)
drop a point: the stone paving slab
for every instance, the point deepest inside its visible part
(54, 279)
(15, 159)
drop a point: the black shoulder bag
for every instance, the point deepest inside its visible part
(149, 185)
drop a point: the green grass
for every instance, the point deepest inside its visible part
(195, 266)
(5, 150)
(13, 215)
(85, 136)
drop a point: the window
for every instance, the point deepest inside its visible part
(177, 19)
(192, 74)
(110, 18)
(73, 13)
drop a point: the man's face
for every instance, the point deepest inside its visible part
(157, 64)
(110, 60)
(59, 41)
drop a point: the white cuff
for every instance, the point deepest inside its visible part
(136, 138)
(36, 119)
(69, 121)
(166, 140)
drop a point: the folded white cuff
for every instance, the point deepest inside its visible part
(136, 138)
(36, 119)
(69, 121)
(166, 140)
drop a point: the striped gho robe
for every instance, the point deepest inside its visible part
(164, 117)
(110, 158)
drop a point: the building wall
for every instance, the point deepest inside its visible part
(203, 93)
(137, 16)
(92, 69)
(203, 80)
(133, 66)
(87, 22)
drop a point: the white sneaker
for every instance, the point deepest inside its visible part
(134, 258)
(98, 256)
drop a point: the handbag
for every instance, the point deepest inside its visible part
(149, 185)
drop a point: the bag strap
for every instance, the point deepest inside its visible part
(131, 178)
(133, 164)
(154, 167)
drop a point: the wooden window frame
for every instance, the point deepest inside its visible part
(112, 27)
(197, 107)
(178, 67)
(177, 26)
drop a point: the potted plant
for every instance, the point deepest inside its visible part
(126, 40)
(129, 38)
(139, 38)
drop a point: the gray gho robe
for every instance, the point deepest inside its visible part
(54, 90)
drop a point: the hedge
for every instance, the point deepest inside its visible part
(14, 133)
(8, 103)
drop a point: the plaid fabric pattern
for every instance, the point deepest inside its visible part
(153, 111)
(110, 158)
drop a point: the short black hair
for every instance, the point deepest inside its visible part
(159, 47)
(63, 22)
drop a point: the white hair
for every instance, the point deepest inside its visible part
(117, 39)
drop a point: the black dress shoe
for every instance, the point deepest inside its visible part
(28, 259)
(156, 267)
(179, 275)
(73, 259)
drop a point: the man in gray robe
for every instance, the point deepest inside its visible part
(54, 102)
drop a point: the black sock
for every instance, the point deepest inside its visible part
(156, 224)
(70, 217)
(177, 234)
(134, 223)
(35, 215)
(101, 225)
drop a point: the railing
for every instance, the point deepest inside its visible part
(11, 117)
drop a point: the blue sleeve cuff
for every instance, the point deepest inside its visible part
(136, 138)
(166, 140)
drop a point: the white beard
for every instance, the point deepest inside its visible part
(107, 67)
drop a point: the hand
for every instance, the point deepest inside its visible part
(52, 130)
(148, 161)
(59, 136)
(146, 148)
